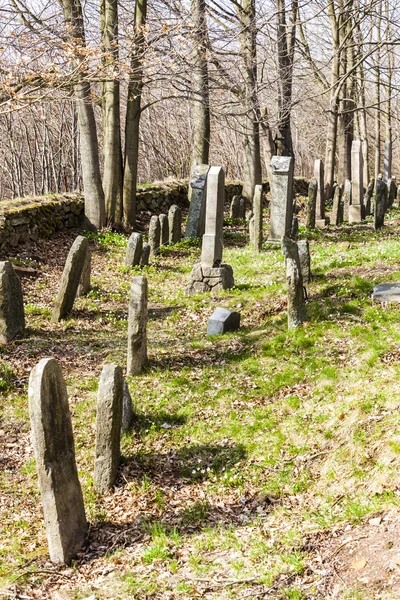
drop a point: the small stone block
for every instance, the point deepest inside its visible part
(223, 320)
(355, 213)
(144, 261)
(321, 223)
(386, 292)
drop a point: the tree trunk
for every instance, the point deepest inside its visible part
(331, 138)
(285, 45)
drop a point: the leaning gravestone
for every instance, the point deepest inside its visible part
(311, 204)
(12, 317)
(53, 445)
(137, 326)
(346, 199)
(134, 250)
(281, 205)
(84, 284)
(127, 410)
(305, 261)
(197, 208)
(144, 261)
(295, 290)
(70, 279)
(258, 219)
(223, 320)
(320, 220)
(210, 274)
(108, 427)
(175, 224)
(357, 189)
(164, 229)
(381, 193)
(154, 235)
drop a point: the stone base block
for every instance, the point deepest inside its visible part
(210, 279)
(321, 223)
(355, 213)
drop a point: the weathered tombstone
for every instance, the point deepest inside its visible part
(392, 192)
(70, 279)
(311, 204)
(197, 207)
(258, 218)
(386, 292)
(235, 208)
(223, 320)
(134, 250)
(84, 284)
(381, 193)
(251, 231)
(108, 427)
(175, 224)
(368, 197)
(336, 207)
(12, 317)
(387, 161)
(154, 235)
(128, 414)
(357, 189)
(53, 445)
(305, 261)
(281, 205)
(144, 261)
(164, 229)
(320, 220)
(346, 199)
(137, 326)
(242, 208)
(210, 274)
(295, 290)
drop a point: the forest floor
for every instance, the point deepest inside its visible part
(264, 463)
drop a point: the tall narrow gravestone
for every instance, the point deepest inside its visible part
(137, 326)
(108, 427)
(346, 199)
(311, 204)
(175, 224)
(12, 318)
(387, 161)
(154, 235)
(357, 188)
(337, 212)
(70, 279)
(281, 206)
(164, 229)
(320, 220)
(134, 249)
(197, 208)
(257, 230)
(211, 274)
(84, 284)
(381, 196)
(294, 277)
(53, 445)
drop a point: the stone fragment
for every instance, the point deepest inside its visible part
(235, 208)
(320, 201)
(207, 279)
(154, 235)
(295, 290)
(70, 279)
(175, 224)
(134, 250)
(12, 316)
(311, 204)
(128, 414)
(108, 427)
(144, 261)
(223, 320)
(53, 445)
(211, 253)
(84, 283)
(258, 218)
(164, 229)
(387, 292)
(305, 261)
(381, 194)
(281, 206)
(197, 208)
(137, 326)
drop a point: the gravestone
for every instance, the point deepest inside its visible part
(154, 235)
(108, 427)
(392, 192)
(53, 445)
(336, 207)
(305, 261)
(134, 250)
(357, 189)
(381, 194)
(294, 232)
(84, 284)
(242, 208)
(197, 208)
(386, 292)
(368, 197)
(320, 220)
(164, 229)
(175, 224)
(295, 290)
(235, 208)
(387, 161)
(258, 218)
(311, 204)
(281, 205)
(137, 326)
(251, 231)
(346, 199)
(223, 320)
(70, 279)
(144, 261)
(128, 415)
(12, 316)
(211, 274)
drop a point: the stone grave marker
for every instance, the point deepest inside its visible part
(305, 261)
(175, 224)
(368, 197)
(295, 290)
(134, 250)
(386, 292)
(12, 316)
(108, 427)
(70, 279)
(154, 235)
(381, 193)
(223, 320)
(281, 205)
(197, 208)
(346, 199)
(164, 229)
(336, 213)
(392, 192)
(144, 261)
(311, 204)
(84, 284)
(137, 326)
(235, 208)
(357, 189)
(128, 414)
(53, 445)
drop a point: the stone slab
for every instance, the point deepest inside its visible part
(386, 292)
(223, 320)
